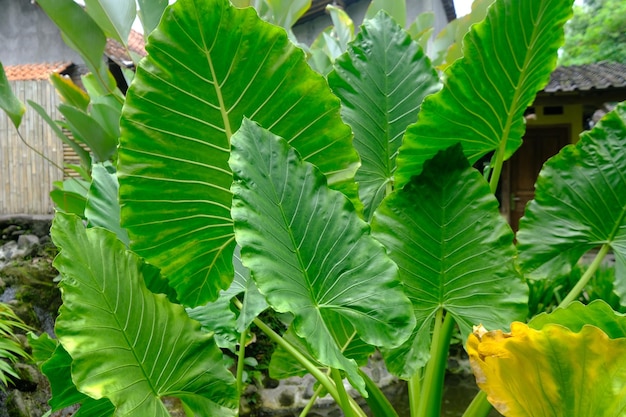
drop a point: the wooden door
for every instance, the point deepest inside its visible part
(539, 145)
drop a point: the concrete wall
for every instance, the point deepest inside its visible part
(28, 36)
(307, 32)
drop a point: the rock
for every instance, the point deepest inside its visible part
(26, 243)
(20, 404)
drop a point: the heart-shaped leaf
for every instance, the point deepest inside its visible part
(309, 252)
(580, 204)
(176, 126)
(381, 81)
(112, 325)
(507, 58)
(454, 250)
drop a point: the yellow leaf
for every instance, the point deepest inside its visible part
(552, 372)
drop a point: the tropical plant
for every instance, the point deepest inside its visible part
(11, 350)
(242, 188)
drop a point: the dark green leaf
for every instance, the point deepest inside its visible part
(308, 251)
(381, 82)
(580, 204)
(454, 251)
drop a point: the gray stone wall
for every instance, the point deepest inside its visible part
(28, 36)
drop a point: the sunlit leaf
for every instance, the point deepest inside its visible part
(309, 252)
(112, 325)
(507, 58)
(176, 127)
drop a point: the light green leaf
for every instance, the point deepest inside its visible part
(507, 58)
(102, 208)
(64, 393)
(176, 126)
(381, 82)
(70, 196)
(285, 13)
(112, 325)
(12, 106)
(150, 12)
(309, 252)
(577, 315)
(580, 204)
(115, 17)
(454, 250)
(394, 8)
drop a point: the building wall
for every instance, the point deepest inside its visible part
(308, 31)
(28, 36)
(572, 115)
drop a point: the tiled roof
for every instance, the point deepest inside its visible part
(40, 71)
(117, 53)
(599, 76)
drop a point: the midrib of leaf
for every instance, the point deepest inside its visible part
(125, 335)
(495, 177)
(218, 90)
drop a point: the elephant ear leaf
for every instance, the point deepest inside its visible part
(580, 204)
(309, 252)
(112, 325)
(209, 65)
(507, 58)
(454, 250)
(381, 80)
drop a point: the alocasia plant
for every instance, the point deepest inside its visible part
(385, 240)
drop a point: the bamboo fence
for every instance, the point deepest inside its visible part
(26, 178)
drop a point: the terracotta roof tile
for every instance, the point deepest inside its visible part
(40, 71)
(599, 76)
(117, 53)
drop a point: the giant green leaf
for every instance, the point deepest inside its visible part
(13, 107)
(381, 82)
(128, 344)
(309, 252)
(507, 58)
(580, 204)
(209, 65)
(454, 250)
(552, 369)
